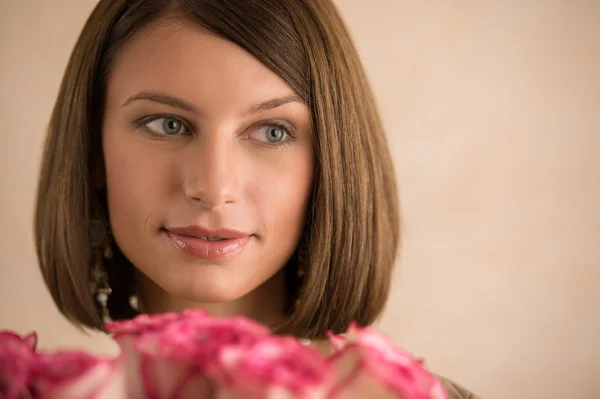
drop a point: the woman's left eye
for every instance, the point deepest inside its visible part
(271, 134)
(166, 126)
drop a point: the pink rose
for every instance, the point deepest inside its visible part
(25, 373)
(368, 362)
(17, 360)
(77, 375)
(148, 373)
(179, 355)
(191, 355)
(200, 340)
(274, 367)
(149, 323)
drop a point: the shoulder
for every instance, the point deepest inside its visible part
(455, 391)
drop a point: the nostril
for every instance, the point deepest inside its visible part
(198, 200)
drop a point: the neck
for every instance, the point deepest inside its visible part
(263, 304)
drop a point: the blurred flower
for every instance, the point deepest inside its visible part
(276, 367)
(76, 375)
(17, 360)
(369, 362)
(191, 355)
(180, 354)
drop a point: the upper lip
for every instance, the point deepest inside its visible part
(201, 232)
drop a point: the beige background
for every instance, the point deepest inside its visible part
(493, 112)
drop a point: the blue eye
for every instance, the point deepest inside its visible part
(166, 126)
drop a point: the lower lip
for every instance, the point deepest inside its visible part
(209, 250)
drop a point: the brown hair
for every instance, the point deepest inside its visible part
(352, 231)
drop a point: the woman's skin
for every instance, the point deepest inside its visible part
(201, 139)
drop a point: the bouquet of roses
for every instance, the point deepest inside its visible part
(193, 355)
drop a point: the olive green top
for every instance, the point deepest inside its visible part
(455, 391)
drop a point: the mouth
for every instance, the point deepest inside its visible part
(207, 244)
(212, 238)
(221, 233)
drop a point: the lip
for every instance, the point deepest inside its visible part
(188, 239)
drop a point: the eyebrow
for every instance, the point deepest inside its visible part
(273, 103)
(161, 98)
(175, 102)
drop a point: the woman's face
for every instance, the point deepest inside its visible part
(209, 163)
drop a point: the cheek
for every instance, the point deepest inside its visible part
(133, 180)
(284, 195)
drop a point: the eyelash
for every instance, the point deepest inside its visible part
(142, 125)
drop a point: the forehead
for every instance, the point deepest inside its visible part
(187, 60)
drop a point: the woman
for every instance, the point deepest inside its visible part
(218, 154)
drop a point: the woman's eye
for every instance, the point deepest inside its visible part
(275, 134)
(272, 134)
(166, 126)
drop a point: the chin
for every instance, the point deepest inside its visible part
(208, 288)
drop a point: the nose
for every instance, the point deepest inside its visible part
(211, 172)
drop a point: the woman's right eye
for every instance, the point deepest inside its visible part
(165, 126)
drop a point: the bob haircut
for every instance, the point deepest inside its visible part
(352, 229)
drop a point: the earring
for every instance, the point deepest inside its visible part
(100, 285)
(133, 302)
(101, 250)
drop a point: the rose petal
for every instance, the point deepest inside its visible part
(31, 340)
(337, 341)
(355, 380)
(276, 367)
(377, 342)
(163, 378)
(166, 354)
(194, 386)
(114, 387)
(17, 361)
(198, 341)
(73, 374)
(362, 369)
